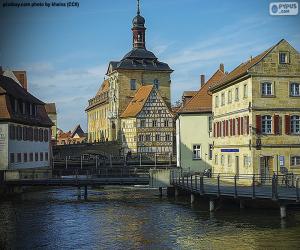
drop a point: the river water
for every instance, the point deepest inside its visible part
(130, 218)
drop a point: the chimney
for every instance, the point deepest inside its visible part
(222, 67)
(202, 80)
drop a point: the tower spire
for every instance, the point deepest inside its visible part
(138, 7)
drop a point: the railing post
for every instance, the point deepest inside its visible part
(140, 159)
(191, 181)
(253, 186)
(155, 159)
(196, 182)
(201, 185)
(66, 162)
(274, 188)
(235, 186)
(182, 178)
(297, 190)
(110, 160)
(219, 191)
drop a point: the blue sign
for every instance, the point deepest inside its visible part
(230, 150)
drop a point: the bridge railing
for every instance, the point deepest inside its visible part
(274, 187)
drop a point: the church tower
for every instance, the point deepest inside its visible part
(139, 67)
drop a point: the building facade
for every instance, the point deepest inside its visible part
(194, 128)
(139, 67)
(72, 137)
(24, 129)
(147, 124)
(256, 115)
(97, 115)
(51, 111)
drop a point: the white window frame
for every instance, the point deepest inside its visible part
(295, 89)
(197, 151)
(295, 160)
(267, 88)
(266, 124)
(295, 124)
(245, 90)
(236, 94)
(286, 57)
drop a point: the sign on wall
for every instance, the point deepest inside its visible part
(230, 150)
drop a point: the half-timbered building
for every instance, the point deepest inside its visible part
(147, 123)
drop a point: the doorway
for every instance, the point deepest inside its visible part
(266, 168)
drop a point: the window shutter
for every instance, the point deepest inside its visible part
(287, 124)
(242, 125)
(233, 126)
(214, 129)
(276, 124)
(247, 124)
(239, 126)
(224, 128)
(258, 124)
(226, 125)
(220, 129)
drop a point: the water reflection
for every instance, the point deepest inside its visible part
(139, 219)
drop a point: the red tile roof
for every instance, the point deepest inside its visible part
(243, 68)
(138, 101)
(202, 101)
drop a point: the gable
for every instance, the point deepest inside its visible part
(270, 63)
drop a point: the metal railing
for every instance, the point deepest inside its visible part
(255, 186)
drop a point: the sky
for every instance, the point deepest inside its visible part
(66, 51)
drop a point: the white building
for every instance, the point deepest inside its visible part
(24, 130)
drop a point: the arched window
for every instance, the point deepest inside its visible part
(266, 124)
(295, 124)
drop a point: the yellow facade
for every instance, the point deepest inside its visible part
(98, 124)
(268, 148)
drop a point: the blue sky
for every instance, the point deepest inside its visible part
(65, 51)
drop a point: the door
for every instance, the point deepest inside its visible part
(266, 163)
(237, 166)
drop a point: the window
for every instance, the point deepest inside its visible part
(46, 156)
(236, 94)
(31, 157)
(133, 84)
(36, 134)
(295, 160)
(157, 137)
(209, 123)
(295, 124)
(168, 137)
(25, 157)
(41, 134)
(229, 98)
(166, 123)
(210, 153)
(148, 137)
(141, 137)
(222, 99)
(156, 83)
(41, 156)
(12, 158)
(283, 57)
(229, 160)
(294, 89)
(19, 133)
(12, 132)
(216, 159)
(266, 124)
(46, 137)
(245, 90)
(216, 101)
(222, 160)
(246, 161)
(266, 89)
(36, 156)
(154, 123)
(19, 157)
(143, 122)
(196, 152)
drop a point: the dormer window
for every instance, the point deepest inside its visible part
(283, 57)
